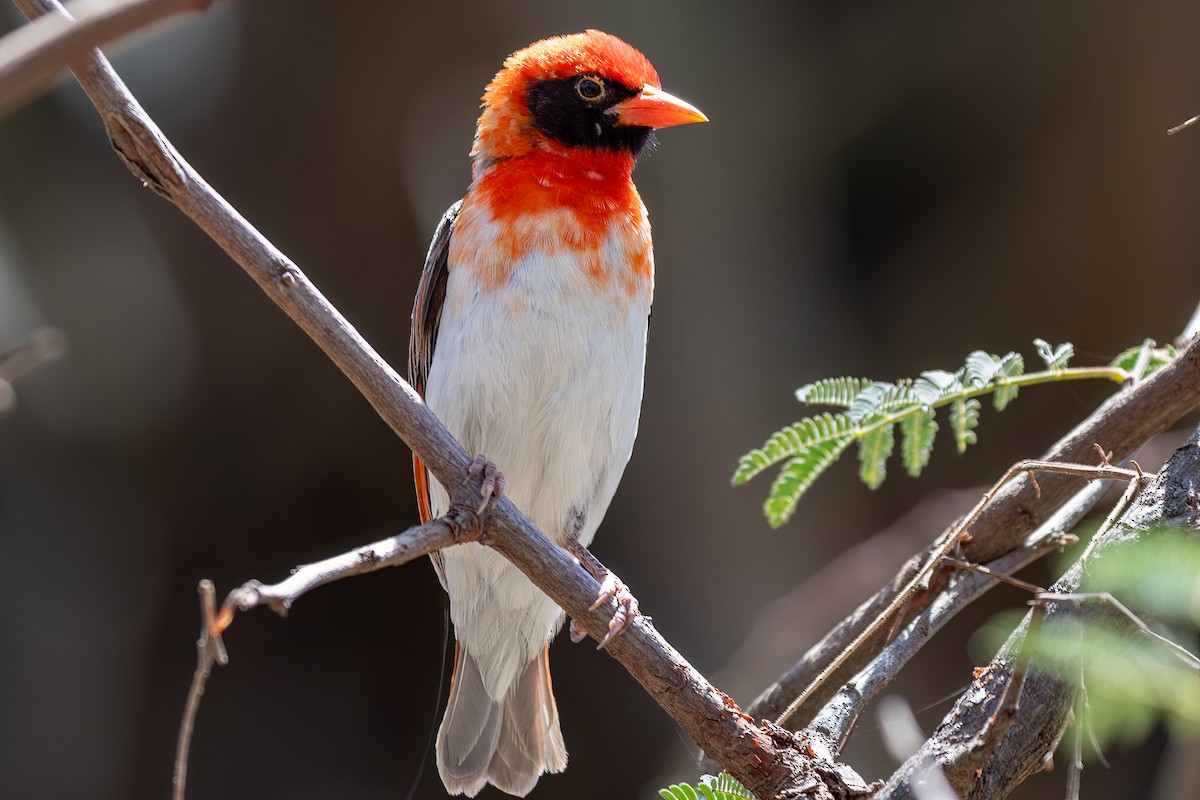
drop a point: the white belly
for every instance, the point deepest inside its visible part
(543, 376)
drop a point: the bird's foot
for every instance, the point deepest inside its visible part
(467, 505)
(611, 588)
(492, 487)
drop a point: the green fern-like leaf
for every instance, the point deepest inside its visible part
(881, 399)
(964, 417)
(919, 430)
(980, 369)
(1011, 365)
(792, 440)
(721, 787)
(874, 408)
(797, 475)
(874, 449)
(1055, 358)
(832, 391)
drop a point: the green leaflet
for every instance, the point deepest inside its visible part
(721, 787)
(790, 441)
(981, 369)
(874, 449)
(935, 384)
(678, 791)
(797, 475)
(964, 417)
(1055, 358)
(919, 430)
(1011, 366)
(832, 391)
(882, 398)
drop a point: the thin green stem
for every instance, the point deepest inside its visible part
(1115, 374)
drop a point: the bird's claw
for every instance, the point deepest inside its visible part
(611, 588)
(492, 487)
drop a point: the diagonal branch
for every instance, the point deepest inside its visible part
(984, 764)
(761, 763)
(31, 56)
(954, 538)
(1122, 423)
(840, 716)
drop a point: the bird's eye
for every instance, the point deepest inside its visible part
(590, 89)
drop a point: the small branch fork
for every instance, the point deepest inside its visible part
(465, 522)
(994, 738)
(462, 525)
(956, 536)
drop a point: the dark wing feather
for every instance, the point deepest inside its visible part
(426, 316)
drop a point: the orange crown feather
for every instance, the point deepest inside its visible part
(505, 124)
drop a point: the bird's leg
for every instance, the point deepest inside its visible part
(492, 487)
(611, 588)
(468, 504)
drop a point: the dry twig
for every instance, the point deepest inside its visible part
(1181, 126)
(838, 718)
(980, 763)
(210, 651)
(958, 533)
(31, 56)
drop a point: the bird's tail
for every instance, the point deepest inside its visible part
(508, 743)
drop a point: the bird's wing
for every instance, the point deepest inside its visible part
(426, 316)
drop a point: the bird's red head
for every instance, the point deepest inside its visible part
(588, 90)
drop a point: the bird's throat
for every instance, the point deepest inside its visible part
(595, 186)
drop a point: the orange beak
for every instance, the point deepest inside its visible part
(654, 108)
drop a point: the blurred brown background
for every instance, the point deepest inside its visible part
(884, 187)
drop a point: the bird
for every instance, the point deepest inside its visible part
(528, 342)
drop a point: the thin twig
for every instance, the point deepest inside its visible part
(463, 524)
(1075, 768)
(1122, 504)
(1106, 598)
(31, 56)
(840, 715)
(1047, 699)
(1085, 705)
(1182, 125)
(210, 650)
(1010, 701)
(957, 534)
(1000, 576)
